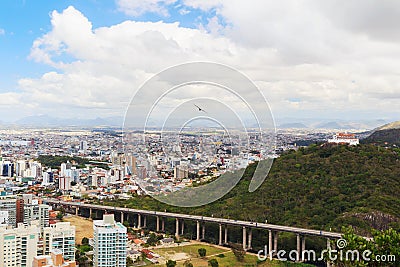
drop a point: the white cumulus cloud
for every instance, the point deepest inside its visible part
(292, 49)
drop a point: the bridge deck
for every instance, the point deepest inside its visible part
(256, 225)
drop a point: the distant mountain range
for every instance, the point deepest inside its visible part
(49, 121)
(333, 125)
(117, 121)
(296, 125)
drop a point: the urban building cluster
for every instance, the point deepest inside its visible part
(80, 165)
(26, 233)
(31, 236)
(97, 164)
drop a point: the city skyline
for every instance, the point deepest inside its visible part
(86, 59)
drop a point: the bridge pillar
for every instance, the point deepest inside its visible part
(144, 221)
(177, 227)
(197, 230)
(163, 224)
(250, 238)
(298, 237)
(276, 234)
(328, 247)
(158, 224)
(122, 217)
(203, 231)
(244, 238)
(182, 226)
(270, 236)
(226, 234)
(90, 213)
(303, 246)
(220, 235)
(76, 211)
(139, 224)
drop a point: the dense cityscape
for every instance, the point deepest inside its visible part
(98, 168)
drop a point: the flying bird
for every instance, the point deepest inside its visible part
(200, 109)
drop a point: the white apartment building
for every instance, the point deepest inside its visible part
(109, 243)
(9, 203)
(64, 183)
(44, 215)
(60, 236)
(34, 211)
(18, 246)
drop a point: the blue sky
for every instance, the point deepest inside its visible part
(310, 59)
(22, 21)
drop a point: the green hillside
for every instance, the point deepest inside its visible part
(384, 137)
(388, 134)
(316, 187)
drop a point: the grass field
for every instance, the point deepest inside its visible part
(228, 260)
(84, 227)
(191, 251)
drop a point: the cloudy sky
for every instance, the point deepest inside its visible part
(311, 59)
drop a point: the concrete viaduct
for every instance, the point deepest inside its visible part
(273, 230)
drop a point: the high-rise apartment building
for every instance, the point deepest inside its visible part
(19, 210)
(44, 216)
(18, 246)
(109, 243)
(9, 203)
(60, 236)
(33, 210)
(64, 183)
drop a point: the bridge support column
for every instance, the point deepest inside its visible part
(90, 213)
(122, 217)
(163, 224)
(244, 238)
(220, 235)
(203, 231)
(328, 247)
(197, 230)
(177, 227)
(250, 238)
(276, 234)
(145, 221)
(76, 211)
(182, 226)
(158, 224)
(270, 236)
(303, 246)
(298, 256)
(226, 234)
(139, 224)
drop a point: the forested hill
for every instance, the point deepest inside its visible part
(388, 134)
(384, 137)
(318, 187)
